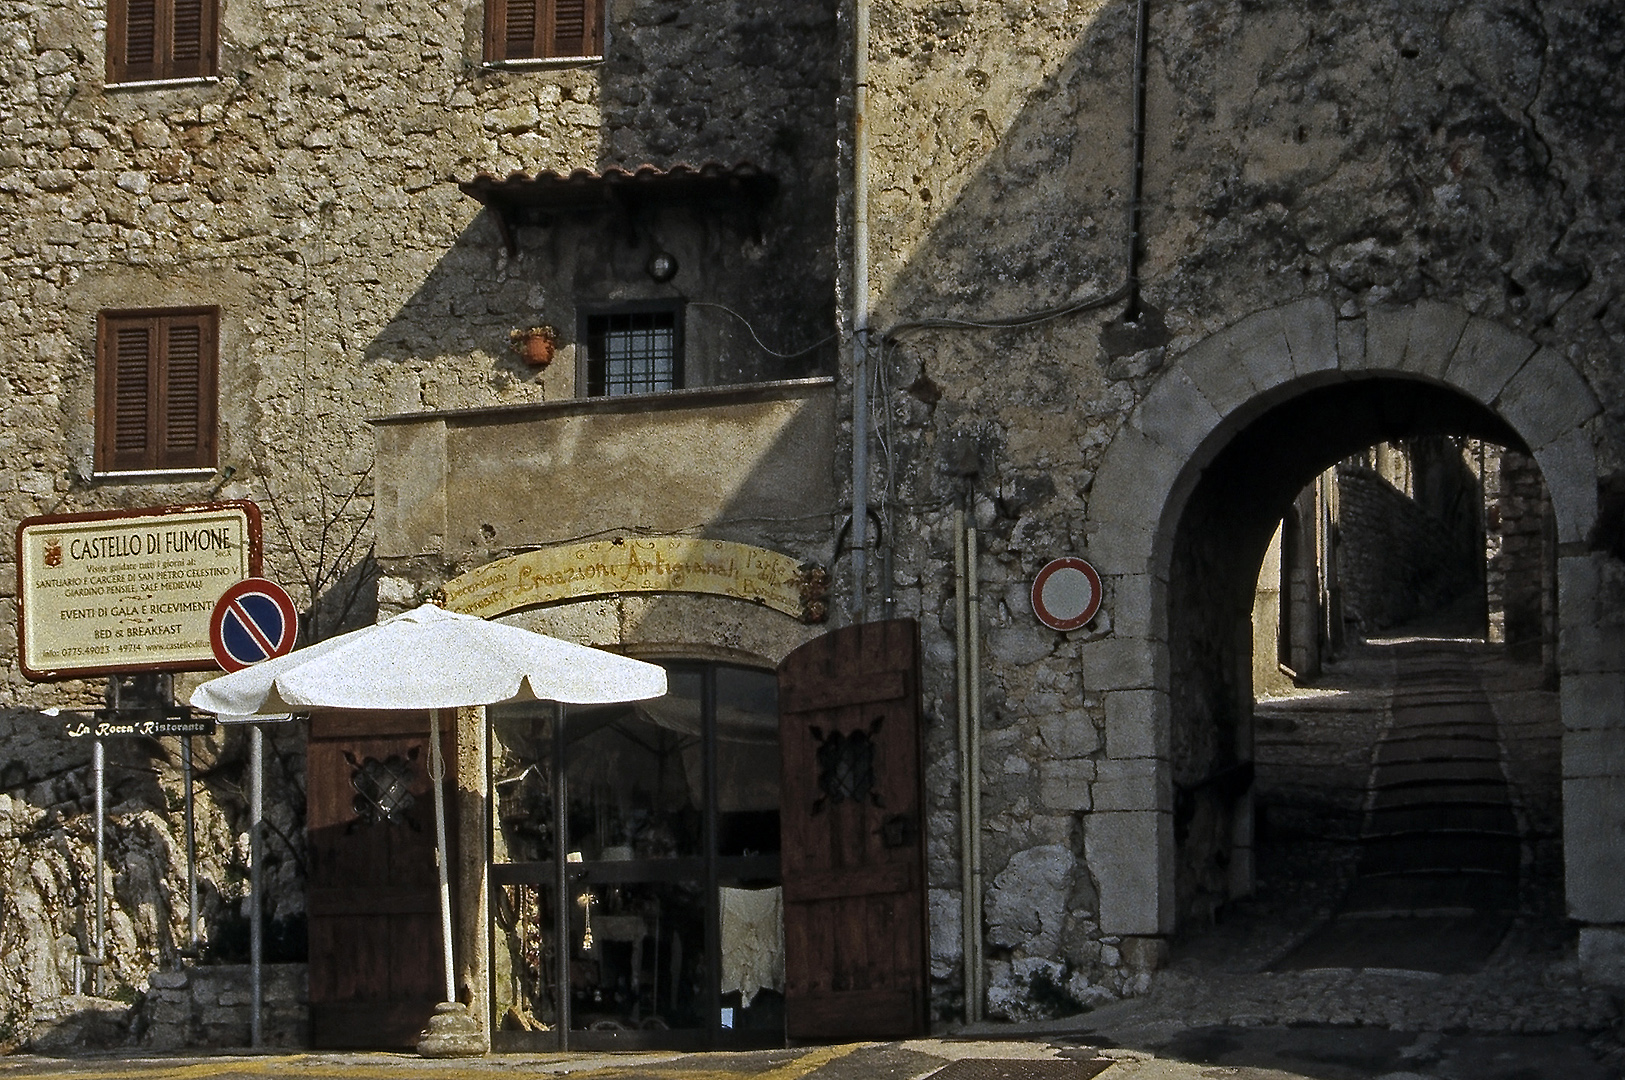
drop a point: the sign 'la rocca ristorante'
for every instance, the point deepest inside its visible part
(128, 590)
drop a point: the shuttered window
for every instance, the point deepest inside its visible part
(155, 389)
(161, 39)
(540, 29)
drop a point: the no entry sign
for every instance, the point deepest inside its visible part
(1066, 594)
(253, 621)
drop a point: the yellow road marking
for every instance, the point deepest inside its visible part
(302, 1066)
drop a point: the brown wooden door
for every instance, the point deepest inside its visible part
(373, 901)
(853, 858)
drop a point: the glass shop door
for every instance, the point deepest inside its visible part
(671, 921)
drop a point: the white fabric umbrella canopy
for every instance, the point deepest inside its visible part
(429, 658)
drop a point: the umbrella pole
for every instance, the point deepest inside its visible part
(453, 1031)
(437, 773)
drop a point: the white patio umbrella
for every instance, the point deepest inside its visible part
(430, 658)
(434, 659)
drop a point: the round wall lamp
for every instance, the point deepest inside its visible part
(662, 266)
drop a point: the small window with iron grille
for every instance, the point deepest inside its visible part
(633, 352)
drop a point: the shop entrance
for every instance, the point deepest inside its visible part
(667, 863)
(658, 912)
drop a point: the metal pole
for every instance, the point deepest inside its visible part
(191, 846)
(860, 311)
(562, 899)
(99, 766)
(256, 813)
(967, 909)
(973, 612)
(437, 773)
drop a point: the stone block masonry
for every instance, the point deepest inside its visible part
(211, 1006)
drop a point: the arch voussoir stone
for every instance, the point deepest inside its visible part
(1568, 464)
(1486, 356)
(1259, 343)
(1418, 340)
(1310, 327)
(1176, 414)
(1546, 399)
(1214, 369)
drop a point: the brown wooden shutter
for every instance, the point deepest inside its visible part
(510, 29)
(124, 380)
(156, 390)
(534, 29)
(574, 30)
(520, 29)
(193, 39)
(161, 39)
(132, 40)
(187, 406)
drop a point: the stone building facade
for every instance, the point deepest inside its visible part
(1359, 224)
(307, 187)
(1355, 226)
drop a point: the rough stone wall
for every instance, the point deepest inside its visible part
(1377, 154)
(1520, 515)
(47, 843)
(308, 193)
(1397, 561)
(210, 1006)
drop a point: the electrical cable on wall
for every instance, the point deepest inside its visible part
(1129, 290)
(757, 338)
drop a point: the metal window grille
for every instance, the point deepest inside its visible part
(632, 353)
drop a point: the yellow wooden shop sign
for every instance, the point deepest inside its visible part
(641, 564)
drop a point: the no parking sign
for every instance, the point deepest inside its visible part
(253, 621)
(1066, 593)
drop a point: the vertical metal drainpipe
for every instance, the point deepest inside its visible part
(1142, 34)
(967, 911)
(973, 612)
(860, 310)
(256, 899)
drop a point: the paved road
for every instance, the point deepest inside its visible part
(1268, 1053)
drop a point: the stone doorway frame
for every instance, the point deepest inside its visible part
(1201, 401)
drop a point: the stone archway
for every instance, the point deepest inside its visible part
(1201, 404)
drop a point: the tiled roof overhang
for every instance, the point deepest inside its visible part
(525, 199)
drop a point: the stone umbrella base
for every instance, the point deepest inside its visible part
(452, 1032)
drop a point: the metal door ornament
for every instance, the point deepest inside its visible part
(846, 766)
(383, 789)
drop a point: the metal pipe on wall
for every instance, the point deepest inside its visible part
(967, 909)
(1136, 201)
(973, 620)
(860, 309)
